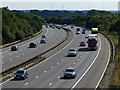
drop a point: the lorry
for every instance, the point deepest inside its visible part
(92, 42)
(94, 31)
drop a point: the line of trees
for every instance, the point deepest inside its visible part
(104, 21)
(18, 26)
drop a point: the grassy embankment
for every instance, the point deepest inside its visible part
(116, 74)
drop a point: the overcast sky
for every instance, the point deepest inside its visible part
(61, 4)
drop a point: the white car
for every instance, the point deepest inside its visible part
(70, 73)
(72, 52)
(77, 32)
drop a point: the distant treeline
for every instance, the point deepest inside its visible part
(105, 21)
(46, 13)
(18, 26)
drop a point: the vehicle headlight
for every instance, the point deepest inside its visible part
(22, 75)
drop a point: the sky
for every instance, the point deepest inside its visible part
(60, 4)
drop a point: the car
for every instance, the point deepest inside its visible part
(65, 25)
(42, 41)
(78, 29)
(32, 45)
(58, 27)
(14, 48)
(71, 26)
(21, 74)
(50, 25)
(70, 73)
(72, 52)
(82, 44)
(53, 27)
(77, 32)
(43, 36)
(83, 32)
(46, 26)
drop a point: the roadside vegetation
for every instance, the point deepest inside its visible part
(18, 26)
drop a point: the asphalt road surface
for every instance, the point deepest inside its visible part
(90, 66)
(53, 37)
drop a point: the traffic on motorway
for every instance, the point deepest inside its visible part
(18, 53)
(85, 44)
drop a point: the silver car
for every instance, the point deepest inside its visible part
(72, 52)
(70, 73)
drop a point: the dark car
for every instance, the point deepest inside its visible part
(21, 74)
(70, 73)
(53, 27)
(83, 32)
(71, 26)
(14, 48)
(43, 36)
(82, 44)
(32, 45)
(78, 29)
(42, 41)
(50, 25)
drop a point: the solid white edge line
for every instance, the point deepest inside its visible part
(44, 60)
(88, 67)
(105, 67)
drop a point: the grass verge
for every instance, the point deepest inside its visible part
(115, 80)
(20, 41)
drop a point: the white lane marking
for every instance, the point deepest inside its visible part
(78, 59)
(58, 63)
(51, 66)
(83, 54)
(53, 54)
(44, 60)
(58, 77)
(50, 84)
(80, 56)
(10, 59)
(26, 83)
(87, 68)
(104, 69)
(36, 77)
(74, 63)
(62, 59)
(13, 77)
(23, 54)
(45, 71)
(17, 56)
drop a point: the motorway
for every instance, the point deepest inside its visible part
(90, 66)
(11, 58)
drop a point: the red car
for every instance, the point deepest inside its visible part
(82, 44)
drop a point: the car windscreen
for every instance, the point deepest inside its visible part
(71, 50)
(20, 71)
(69, 70)
(14, 47)
(82, 42)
